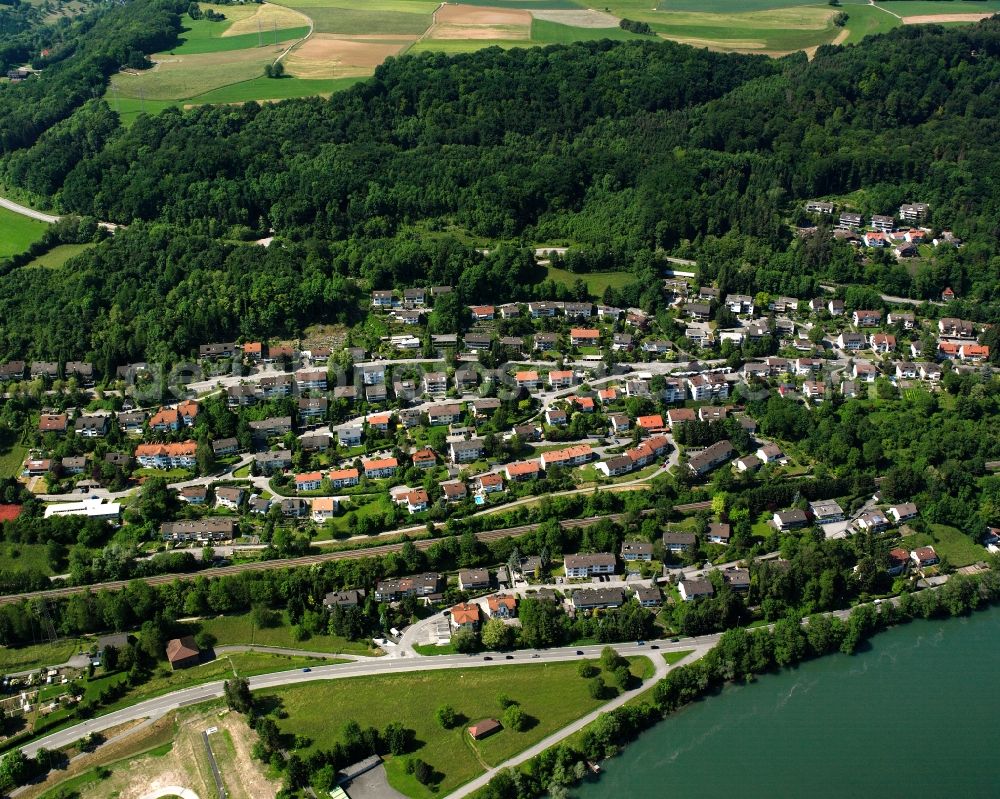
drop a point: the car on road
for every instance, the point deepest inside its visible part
(579, 651)
(640, 642)
(307, 669)
(487, 657)
(654, 646)
(536, 655)
(508, 657)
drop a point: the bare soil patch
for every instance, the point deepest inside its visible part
(476, 15)
(326, 55)
(584, 18)
(479, 32)
(923, 19)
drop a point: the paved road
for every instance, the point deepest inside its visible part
(23, 210)
(160, 706)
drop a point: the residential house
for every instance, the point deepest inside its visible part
(373, 375)
(578, 310)
(790, 519)
(874, 521)
(865, 372)
(44, 369)
(875, 239)
(223, 447)
(74, 465)
(91, 426)
(543, 342)
(12, 371)
(814, 391)
(454, 491)
(414, 297)
(380, 422)
(695, 589)
(424, 458)
(212, 352)
(851, 341)
(709, 458)
(712, 413)
(883, 342)
(906, 371)
(637, 550)
(435, 382)
(561, 378)
(615, 466)
(913, 212)
(349, 436)
(273, 461)
(925, 556)
(771, 453)
(241, 396)
(589, 565)
(467, 451)
(379, 468)
(165, 420)
(651, 424)
(904, 512)
(522, 470)
(489, 483)
(747, 463)
(476, 342)
(740, 303)
(183, 652)
(676, 416)
(584, 337)
(212, 529)
(930, 371)
(719, 533)
(482, 313)
(228, 497)
(899, 559)
(826, 511)
(527, 380)
(465, 616)
(427, 584)
(312, 410)
(906, 320)
(484, 407)
(315, 442)
(417, 500)
(556, 417)
(351, 598)
(308, 481)
(849, 221)
(708, 386)
(817, 207)
(539, 310)
(271, 427)
(648, 596)
(867, 318)
(502, 606)
(167, 456)
(620, 423)
(295, 508)
(343, 478)
(678, 542)
(621, 342)
(383, 299)
(275, 386)
(974, 352)
(311, 379)
(575, 455)
(956, 328)
(588, 599)
(883, 224)
(474, 579)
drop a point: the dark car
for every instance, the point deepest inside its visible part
(579, 651)
(307, 669)
(508, 657)
(654, 646)
(487, 658)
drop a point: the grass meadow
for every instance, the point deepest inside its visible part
(18, 232)
(551, 694)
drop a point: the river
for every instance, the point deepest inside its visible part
(912, 716)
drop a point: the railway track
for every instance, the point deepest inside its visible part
(292, 563)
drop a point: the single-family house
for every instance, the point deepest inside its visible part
(695, 589)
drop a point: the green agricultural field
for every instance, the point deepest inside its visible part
(456, 46)
(192, 43)
(546, 32)
(408, 17)
(551, 694)
(57, 256)
(18, 232)
(867, 20)
(912, 8)
(230, 630)
(596, 282)
(728, 6)
(948, 542)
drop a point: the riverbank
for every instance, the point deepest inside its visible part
(741, 656)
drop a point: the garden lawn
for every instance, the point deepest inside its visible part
(12, 461)
(948, 542)
(552, 694)
(25, 556)
(234, 630)
(596, 282)
(24, 658)
(17, 232)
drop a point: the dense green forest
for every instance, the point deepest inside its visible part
(620, 147)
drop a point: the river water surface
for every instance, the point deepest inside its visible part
(916, 715)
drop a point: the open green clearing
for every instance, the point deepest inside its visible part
(728, 6)
(596, 282)
(25, 557)
(12, 461)
(26, 658)
(234, 630)
(867, 20)
(948, 542)
(17, 232)
(57, 256)
(676, 657)
(551, 694)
